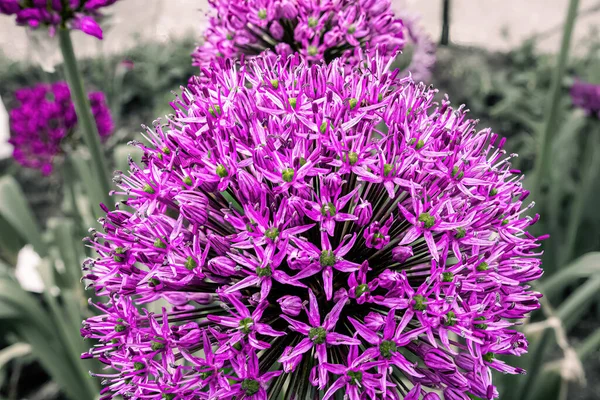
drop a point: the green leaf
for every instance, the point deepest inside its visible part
(576, 305)
(13, 351)
(121, 156)
(14, 209)
(91, 187)
(584, 266)
(11, 242)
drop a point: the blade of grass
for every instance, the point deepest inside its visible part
(584, 266)
(552, 116)
(15, 210)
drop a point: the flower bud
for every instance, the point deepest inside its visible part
(402, 253)
(290, 305)
(364, 212)
(193, 206)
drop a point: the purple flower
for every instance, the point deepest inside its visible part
(44, 119)
(75, 14)
(317, 30)
(586, 96)
(231, 225)
(420, 46)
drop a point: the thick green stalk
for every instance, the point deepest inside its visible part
(552, 117)
(84, 114)
(445, 39)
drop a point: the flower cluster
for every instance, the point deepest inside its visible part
(312, 228)
(421, 47)
(44, 117)
(586, 96)
(318, 30)
(77, 14)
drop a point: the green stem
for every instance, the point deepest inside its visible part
(84, 114)
(445, 39)
(552, 111)
(590, 173)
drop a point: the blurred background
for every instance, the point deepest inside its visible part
(515, 64)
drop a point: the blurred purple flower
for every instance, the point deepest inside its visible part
(46, 116)
(75, 14)
(586, 96)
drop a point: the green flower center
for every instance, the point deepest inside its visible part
(221, 171)
(420, 304)
(287, 175)
(262, 13)
(489, 357)
(265, 271)
(483, 266)
(149, 189)
(292, 101)
(328, 210)
(317, 335)
(361, 289)
(493, 192)
(480, 326)
(190, 263)
(215, 110)
(275, 83)
(117, 257)
(351, 29)
(355, 377)
(272, 233)
(159, 244)
(352, 158)
(138, 366)
(386, 348)
(327, 258)
(153, 282)
(450, 319)
(250, 386)
(312, 22)
(460, 233)
(245, 325)
(204, 375)
(427, 220)
(387, 169)
(302, 161)
(120, 328)
(447, 276)
(312, 50)
(166, 150)
(187, 180)
(420, 144)
(352, 102)
(157, 344)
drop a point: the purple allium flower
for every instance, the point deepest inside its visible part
(318, 30)
(586, 96)
(46, 116)
(233, 223)
(76, 14)
(420, 46)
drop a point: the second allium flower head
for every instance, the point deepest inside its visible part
(302, 246)
(318, 30)
(75, 14)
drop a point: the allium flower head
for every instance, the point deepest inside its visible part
(586, 96)
(319, 30)
(250, 218)
(46, 116)
(76, 14)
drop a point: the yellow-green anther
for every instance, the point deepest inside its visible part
(287, 175)
(221, 171)
(149, 189)
(353, 102)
